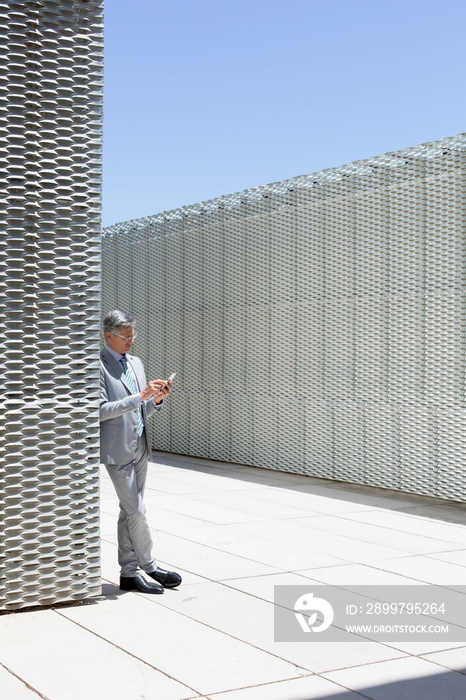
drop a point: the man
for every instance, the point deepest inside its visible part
(126, 403)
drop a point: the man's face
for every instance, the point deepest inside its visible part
(121, 342)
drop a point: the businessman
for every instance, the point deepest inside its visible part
(127, 401)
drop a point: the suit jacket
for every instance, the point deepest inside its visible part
(118, 413)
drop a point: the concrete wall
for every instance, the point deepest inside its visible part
(50, 161)
(316, 325)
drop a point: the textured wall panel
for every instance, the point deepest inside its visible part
(50, 160)
(317, 325)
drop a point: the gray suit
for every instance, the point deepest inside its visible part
(118, 415)
(125, 456)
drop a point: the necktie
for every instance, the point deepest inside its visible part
(130, 380)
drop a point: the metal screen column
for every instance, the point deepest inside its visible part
(50, 151)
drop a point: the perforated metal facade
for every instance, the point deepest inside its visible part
(50, 159)
(316, 325)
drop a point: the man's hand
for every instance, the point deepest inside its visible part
(158, 388)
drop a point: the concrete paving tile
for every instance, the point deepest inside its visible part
(321, 657)
(458, 557)
(171, 520)
(308, 688)
(110, 537)
(106, 486)
(209, 562)
(248, 503)
(251, 620)
(177, 460)
(263, 586)
(227, 609)
(162, 485)
(454, 659)
(108, 523)
(358, 574)
(63, 661)
(261, 475)
(403, 541)
(213, 514)
(210, 479)
(110, 505)
(288, 545)
(164, 466)
(173, 461)
(425, 648)
(109, 561)
(422, 526)
(287, 478)
(255, 479)
(311, 502)
(286, 548)
(229, 479)
(195, 654)
(13, 688)
(104, 497)
(331, 498)
(404, 679)
(426, 570)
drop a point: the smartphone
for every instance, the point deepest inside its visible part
(171, 377)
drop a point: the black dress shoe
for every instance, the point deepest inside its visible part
(138, 583)
(169, 579)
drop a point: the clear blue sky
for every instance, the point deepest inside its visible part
(208, 97)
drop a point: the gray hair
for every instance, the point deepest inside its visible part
(117, 319)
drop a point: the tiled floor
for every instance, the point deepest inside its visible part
(235, 532)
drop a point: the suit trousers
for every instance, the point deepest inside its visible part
(134, 538)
